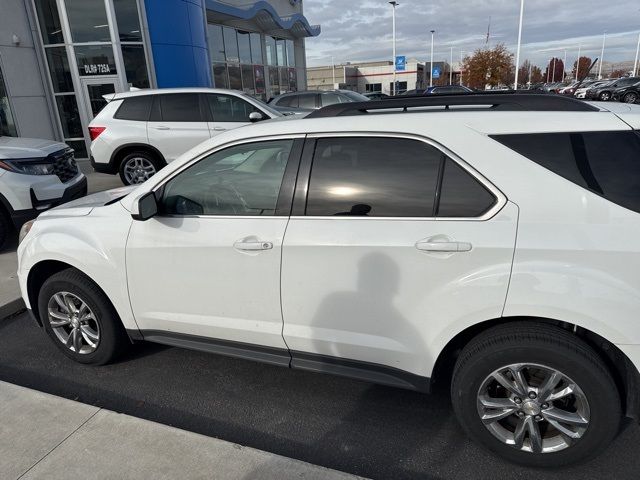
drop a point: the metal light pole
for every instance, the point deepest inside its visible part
(394, 5)
(578, 63)
(461, 61)
(451, 68)
(431, 73)
(553, 79)
(333, 68)
(604, 41)
(548, 71)
(515, 86)
(635, 65)
(564, 65)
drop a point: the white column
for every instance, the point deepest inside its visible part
(451, 68)
(564, 65)
(515, 86)
(578, 63)
(431, 70)
(635, 65)
(604, 41)
(394, 5)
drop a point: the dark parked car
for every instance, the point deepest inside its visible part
(376, 95)
(605, 92)
(629, 94)
(439, 90)
(310, 100)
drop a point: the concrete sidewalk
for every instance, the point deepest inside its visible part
(43, 436)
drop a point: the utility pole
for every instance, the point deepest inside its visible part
(451, 68)
(333, 68)
(564, 65)
(394, 4)
(604, 41)
(515, 86)
(461, 61)
(635, 65)
(431, 73)
(578, 63)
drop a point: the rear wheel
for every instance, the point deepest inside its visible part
(630, 97)
(535, 395)
(138, 167)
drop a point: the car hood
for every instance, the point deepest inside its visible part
(83, 206)
(18, 147)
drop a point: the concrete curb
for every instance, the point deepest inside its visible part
(12, 308)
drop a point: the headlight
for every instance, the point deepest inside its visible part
(37, 166)
(24, 231)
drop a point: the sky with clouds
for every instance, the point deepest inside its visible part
(360, 30)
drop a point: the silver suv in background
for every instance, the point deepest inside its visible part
(305, 102)
(35, 175)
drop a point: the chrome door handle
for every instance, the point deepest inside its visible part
(220, 129)
(445, 247)
(252, 246)
(162, 127)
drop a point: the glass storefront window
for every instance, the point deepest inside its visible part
(79, 146)
(95, 60)
(293, 80)
(258, 71)
(291, 57)
(281, 51)
(69, 115)
(135, 66)
(7, 125)
(49, 21)
(88, 21)
(256, 49)
(127, 20)
(271, 50)
(274, 82)
(235, 77)
(248, 84)
(220, 78)
(284, 80)
(244, 47)
(231, 45)
(216, 43)
(59, 69)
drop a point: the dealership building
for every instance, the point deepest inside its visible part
(59, 57)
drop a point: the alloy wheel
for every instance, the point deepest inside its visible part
(533, 408)
(630, 98)
(73, 323)
(138, 170)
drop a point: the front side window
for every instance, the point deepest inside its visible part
(227, 108)
(376, 177)
(307, 100)
(241, 180)
(606, 163)
(180, 107)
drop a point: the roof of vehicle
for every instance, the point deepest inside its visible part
(158, 91)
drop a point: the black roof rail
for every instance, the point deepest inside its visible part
(508, 101)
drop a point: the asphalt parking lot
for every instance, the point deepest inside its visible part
(356, 427)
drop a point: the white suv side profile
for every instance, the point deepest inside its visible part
(35, 175)
(407, 242)
(139, 132)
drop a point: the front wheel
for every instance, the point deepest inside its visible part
(605, 96)
(138, 167)
(536, 395)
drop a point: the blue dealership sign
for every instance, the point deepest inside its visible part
(436, 72)
(401, 63)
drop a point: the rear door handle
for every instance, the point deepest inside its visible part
(162, 127)
(444, 246)
(252, 246)
(220, 129)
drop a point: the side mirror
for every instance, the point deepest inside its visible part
(255, 117)
(147, 207)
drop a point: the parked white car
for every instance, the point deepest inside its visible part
(35, 175)
(490, 249)
(139, 132)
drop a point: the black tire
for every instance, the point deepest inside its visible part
(605, 96)
(5, 229)
(532, 343)
(145, 157)
(113, 339)
(630, 97)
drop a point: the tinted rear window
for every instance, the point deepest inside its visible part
(135, 108)
(606, 163)
(180, 107)
(461, 195)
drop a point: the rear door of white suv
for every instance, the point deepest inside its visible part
(227, 112)
(206, 270)
(178, 122)
(392, 245)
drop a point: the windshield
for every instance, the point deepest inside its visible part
(356, 97)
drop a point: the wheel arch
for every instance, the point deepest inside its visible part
(119, 153)
(624, 372)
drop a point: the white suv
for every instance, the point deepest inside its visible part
(35, 175)
(491, 249)
(139, 132)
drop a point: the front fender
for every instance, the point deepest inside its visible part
(94, 244)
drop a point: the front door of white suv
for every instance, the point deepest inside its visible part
(228, 112)
(177, 123)
(208, 266)
(396, 247)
